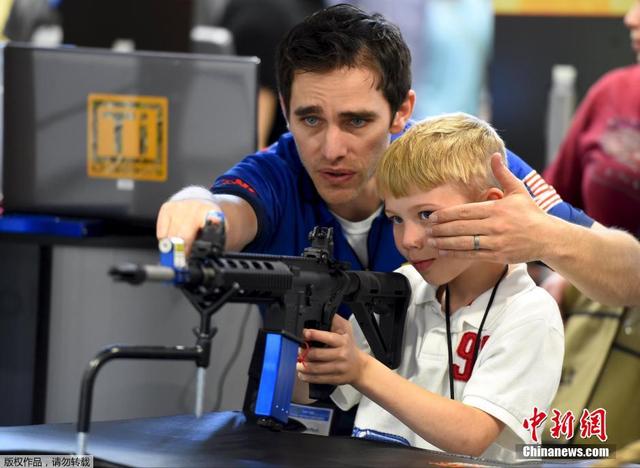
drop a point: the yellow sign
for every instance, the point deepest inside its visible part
(5, 9)
(563, 7)
(127, 137)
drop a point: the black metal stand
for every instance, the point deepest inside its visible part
(200, 354)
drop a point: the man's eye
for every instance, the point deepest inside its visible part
(311, 121)
(358, 123)
(424, 215)
(395, 219)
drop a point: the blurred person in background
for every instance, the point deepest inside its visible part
(151, 24)
(451, 43)
(598, 166)
(254, 35)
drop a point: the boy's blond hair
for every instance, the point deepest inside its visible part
(451, 148)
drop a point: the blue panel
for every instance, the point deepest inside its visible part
(278, 377)
(50, 225)
(269, 375)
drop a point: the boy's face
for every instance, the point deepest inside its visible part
(409, 217)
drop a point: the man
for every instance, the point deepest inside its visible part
(344, 83)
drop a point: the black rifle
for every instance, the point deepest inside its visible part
(298, 292)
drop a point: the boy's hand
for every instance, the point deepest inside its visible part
(341, 362)
(510, 230)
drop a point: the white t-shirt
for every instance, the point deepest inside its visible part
(517, 369)
(357, 234)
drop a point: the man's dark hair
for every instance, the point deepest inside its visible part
(345, 36)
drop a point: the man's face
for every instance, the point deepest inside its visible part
(409, 217)
(632, 21)
(341, 124)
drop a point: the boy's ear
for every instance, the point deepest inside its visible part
(493, 193)
(403, 114)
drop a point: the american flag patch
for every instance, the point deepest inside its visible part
(543, 194)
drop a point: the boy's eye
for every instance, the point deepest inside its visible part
(424, 215)
(395, 219)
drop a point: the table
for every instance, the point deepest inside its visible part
(217, 439)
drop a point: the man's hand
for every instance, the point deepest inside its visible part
(515, 230)
(183, 218)
(341, 362)
(510, 230)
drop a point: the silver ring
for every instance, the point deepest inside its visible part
(476, 242)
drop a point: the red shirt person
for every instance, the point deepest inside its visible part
(598, 166)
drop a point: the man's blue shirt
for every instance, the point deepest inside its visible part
(287, 205)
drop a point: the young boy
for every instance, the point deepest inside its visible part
(483, 346)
